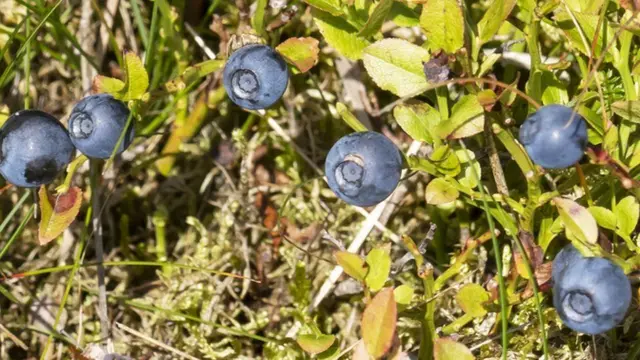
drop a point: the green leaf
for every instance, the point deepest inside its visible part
(193, 74)
(333, 7)
(604, 217)
(628, 110)
(257, 21)
(470, 299)
(467, 119)
(396, 65)
(352, 264)
(340, 34)
(494, 18)
(300, 52)
(417, 119)
(136, 80)
(588, 25)
(314, 344)
(439, 192)
(349, 118)
(554, 91)
(443, 22)
(379, 263)
(57, 212)
(468, 178)
(376, 19)
(627, 212)
(379, 323)
(577, 220)
(446, 161)
(403, 294)
(403, 16)
(449, 349)
(300, 287)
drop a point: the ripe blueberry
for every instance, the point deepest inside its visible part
(555, 136)
(591, 295)
(95, 125)
(255, 76)
(34, 148)
(363, 168)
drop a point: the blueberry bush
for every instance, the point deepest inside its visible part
(319, 179)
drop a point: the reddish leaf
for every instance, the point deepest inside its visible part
(379, 323)
(533, 251)
(58, 212)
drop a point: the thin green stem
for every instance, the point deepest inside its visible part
(17, 232)
(27, 67)
(148, 63)
(498, 259)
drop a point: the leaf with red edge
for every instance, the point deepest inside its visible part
(379, 323)
(58, 212)
(448, 349)
(300, 52)
(533, 251)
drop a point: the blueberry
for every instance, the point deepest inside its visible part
(591, 295)
(34, 148)
(363, 168)
(95, 125)
(255, 76)
(555, 136)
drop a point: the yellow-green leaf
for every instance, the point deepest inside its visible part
(577, 220)
(627, 212)
(446, 161)
(4, 113)
(470, 299)
(403, 294)
(314, 344)
(341, 35)
(417, 119)
(136, 80)
(352, 264)
(494, 18)
(57, 212)
(628, 110)
(379, 323)
(333, 7)
(449, 349)
(379, 263)
(439, 192)
(604, 217)
(396, 65)
(467, 119)
(300, 52)
(443, 22)
(376, 19)
(194, 73)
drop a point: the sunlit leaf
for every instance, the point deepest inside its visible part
(341, 35)
(494, 18)
(349, 118)
(578, 220)
(439, 192)
(470, 299)
(57, 212)
(467, 119)
(135, 84)
(314, 344)
(604, 217)
(379, 323)
(194, 73)
(396, 65)
(379, 263)
(352, 264)
(627, 212)
(300, 52)
(449, 349)
(403, 294)
(443, 22)
(376, 19)
(417, 119)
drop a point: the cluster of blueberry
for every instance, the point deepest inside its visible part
(591, 295)
(35, 147)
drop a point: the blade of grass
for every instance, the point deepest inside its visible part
(17, 232)
(22, 48)
(498, 259)
(137, 15)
